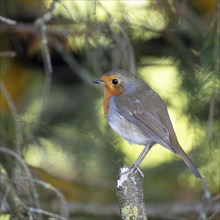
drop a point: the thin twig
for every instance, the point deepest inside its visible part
(63, 207)
(215, 198)
(9, 197)
(94, 8)
(43, 212)
(31, 210)
(4, 197)
(47, 65)
(73, 64)
(211, 114)
(213, 215)
(67, 9)
(129, 50)
(10, 54)
(41, 23)
(11, 105)
(216, 71)
(62, 30)
(27, 172)
(7, 20)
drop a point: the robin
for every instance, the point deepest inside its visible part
(139, 115)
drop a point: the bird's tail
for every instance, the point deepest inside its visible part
(188, 162)
(185, 158)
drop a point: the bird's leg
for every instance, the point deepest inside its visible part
(138, 161)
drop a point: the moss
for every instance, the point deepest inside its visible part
(129, 212)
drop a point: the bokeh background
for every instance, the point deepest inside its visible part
(52, 121)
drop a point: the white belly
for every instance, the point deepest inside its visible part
(125, 129)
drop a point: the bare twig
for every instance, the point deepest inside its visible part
(63, 207)
(9, 198)
(18, 133)
(210, 118)
(10, 54)
(58, 30)
(47, 65)
(41, 23)
(194, 19)
(43, 212)
(214, 215)
(94, 2)
(21, 206)
(130, 50)
(216, 71)
(7, 20)
(4, 196)
(215, 198)
(127, 50)
(73, 64)
(67, 9)
(27, 172)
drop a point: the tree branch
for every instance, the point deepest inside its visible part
(130, 194)
(17, 125)
(168, 210)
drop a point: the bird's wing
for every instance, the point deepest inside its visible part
(145, 116)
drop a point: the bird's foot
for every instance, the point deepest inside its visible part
(126, 172)
(136, 168)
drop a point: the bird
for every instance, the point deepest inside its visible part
(139, 115)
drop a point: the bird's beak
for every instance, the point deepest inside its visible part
(99, 81)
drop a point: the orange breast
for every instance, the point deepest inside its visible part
(107, 96)
(108, 93)
(110, 90)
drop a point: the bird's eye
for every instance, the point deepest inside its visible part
(115, 81)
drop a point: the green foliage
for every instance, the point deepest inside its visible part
(69, 134)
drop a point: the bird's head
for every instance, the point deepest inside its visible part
(118, 82)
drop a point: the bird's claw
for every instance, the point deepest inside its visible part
(125, 173)
(140, 172)
(131, 170)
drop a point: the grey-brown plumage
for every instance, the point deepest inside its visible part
(139, 115)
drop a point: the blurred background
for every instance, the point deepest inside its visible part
(59, 157)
